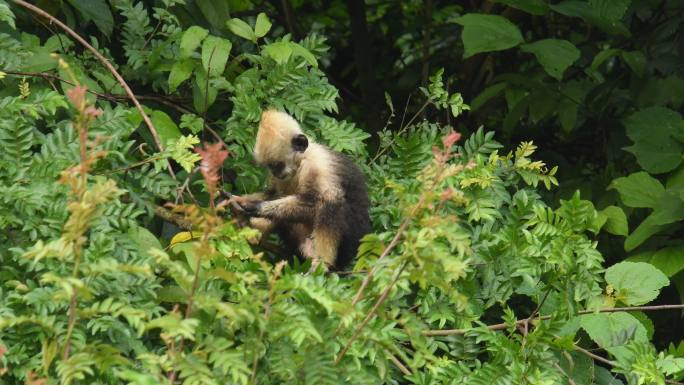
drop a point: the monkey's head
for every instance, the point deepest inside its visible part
(280, 144)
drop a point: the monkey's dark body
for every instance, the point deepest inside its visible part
(348, 217)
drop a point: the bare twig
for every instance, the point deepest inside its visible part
(398, 363)
(570, 380)
(401, 131)
(107, 64)
(502, 326)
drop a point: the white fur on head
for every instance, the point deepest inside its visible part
(273, 140)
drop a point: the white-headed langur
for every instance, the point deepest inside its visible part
(317, 200)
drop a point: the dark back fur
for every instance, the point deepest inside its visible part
(354, 221)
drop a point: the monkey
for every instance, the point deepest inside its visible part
(317, 200)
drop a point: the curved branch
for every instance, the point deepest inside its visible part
(107, 64)
(523, 322)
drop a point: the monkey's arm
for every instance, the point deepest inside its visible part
(295, 208)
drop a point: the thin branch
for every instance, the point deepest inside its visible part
(401, 131)
(168, 216)
(393, 243)
(398, 364)
(370, 314)
(107, 64)
(502, 326)
(594, 356)
(570, 380)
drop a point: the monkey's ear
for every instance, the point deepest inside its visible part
(300, 143)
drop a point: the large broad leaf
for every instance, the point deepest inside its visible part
(669, 260)
(636, 283)
(180, 72)
(653, 131)
(639, 190)
(644, 231)
(144, 239)
(555, 55)
(598, 13)
(485, 33)
(668, 209)
(616, 220)
(215, 52)
(241, 29)
(98, 11)
(215, 11)
(610, 10)
(612, 330)
(166, 128)
(262, 26)
(191, 40)
(535, 7)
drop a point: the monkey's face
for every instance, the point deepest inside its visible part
(284, 164)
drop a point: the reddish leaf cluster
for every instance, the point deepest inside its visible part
(77, 97)
(213, 156)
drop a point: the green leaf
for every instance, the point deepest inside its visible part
(485, 33)
(639, 190)
(535, 7)
(653, 131)
(98, 11)
(279, 51)
(166, 128)
(610, 9)
(215, 52)
(263, 25)
(612, 330)
(636, 283)
(555, 55)
(669, 260)
(595, 14)
(602, 56)
(215, 12)
(191, 40)
(670, 208)
(486, 95)
(636, 60)
(6, 14)
(137, 378)
(180, 72)
(144, 239)
(644, 231)
(670, 365)
(604, 377)
(241, 29)
(203, 92)
(616, 222)
(300, 51)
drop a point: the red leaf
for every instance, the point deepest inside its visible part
(450, 139)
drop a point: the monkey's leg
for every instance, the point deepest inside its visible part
(265, 226)
(325, 243)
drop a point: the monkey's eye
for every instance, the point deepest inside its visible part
(276, 167)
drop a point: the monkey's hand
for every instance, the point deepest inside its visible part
(252, 208)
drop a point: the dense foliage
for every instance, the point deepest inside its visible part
(119, 263)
